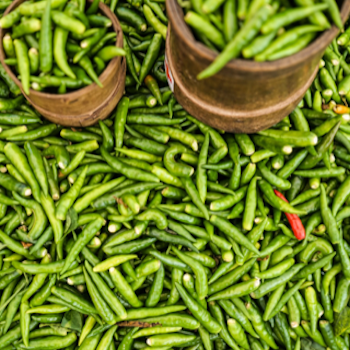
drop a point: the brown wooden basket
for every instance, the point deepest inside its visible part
(245, 96)
(84, 106)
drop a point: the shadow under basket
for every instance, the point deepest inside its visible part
(87, 105)
(245, 96)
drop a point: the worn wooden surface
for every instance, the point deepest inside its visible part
(90, 116)
(85, 106)
(245, 96)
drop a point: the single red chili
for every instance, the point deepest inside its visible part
(294, 220)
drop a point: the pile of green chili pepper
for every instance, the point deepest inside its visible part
(151, 230)
(55, 45)
(262, 30)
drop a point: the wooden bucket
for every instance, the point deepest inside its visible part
(85, 106)
(245, 96)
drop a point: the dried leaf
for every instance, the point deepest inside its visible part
(26, 245)
(120, 201)
(137, 324)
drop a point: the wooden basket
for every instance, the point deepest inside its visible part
(245, 96)
(85, 106)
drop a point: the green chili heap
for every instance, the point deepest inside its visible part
(151, 230)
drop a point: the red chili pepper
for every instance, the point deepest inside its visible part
(294, 220)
